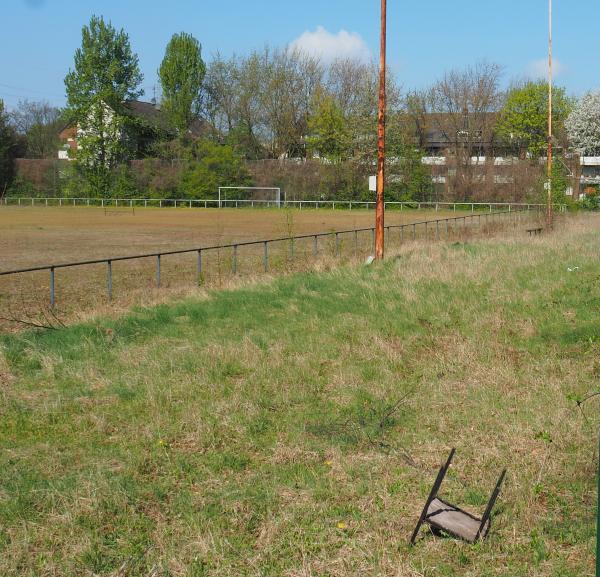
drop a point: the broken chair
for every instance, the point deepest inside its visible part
(443, 517)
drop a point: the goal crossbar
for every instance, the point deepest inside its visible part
(275, 188)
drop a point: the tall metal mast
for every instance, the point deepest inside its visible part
(380, 206)
(549, 207)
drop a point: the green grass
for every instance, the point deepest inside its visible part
(294, 427)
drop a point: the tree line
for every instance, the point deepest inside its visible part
(277, 103)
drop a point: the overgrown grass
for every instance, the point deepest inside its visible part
(294, 427)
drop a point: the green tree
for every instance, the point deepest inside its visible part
(8, 143)
(328, 134)
(181, 74)
(523, 121)
(213, 165)
(106, 74)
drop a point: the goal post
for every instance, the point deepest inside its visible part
(223, 193)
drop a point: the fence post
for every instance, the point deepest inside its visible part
(52, 289)
(199, 266)
(316, 246)
(414, 231)
(355, 242)
(266, 256)
(337, 244)
(234, 259)
(158, 271)
(109, 280)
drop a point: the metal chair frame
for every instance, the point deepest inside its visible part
(429, 518)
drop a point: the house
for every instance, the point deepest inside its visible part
(68, 138)
(146, 123)
(589, 174)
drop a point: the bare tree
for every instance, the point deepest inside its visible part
(220, 94)
(290, 81)
(40, 123)
(463, 106)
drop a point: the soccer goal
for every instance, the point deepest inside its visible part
(229, 195)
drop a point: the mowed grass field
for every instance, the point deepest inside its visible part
(31, 237)
(294, 427)
(40, 236)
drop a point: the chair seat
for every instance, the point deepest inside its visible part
(449, 519)
(455, 521)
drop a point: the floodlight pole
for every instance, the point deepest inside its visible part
(380, 206)
(549, 214)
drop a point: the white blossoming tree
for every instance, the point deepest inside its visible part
(583, 125)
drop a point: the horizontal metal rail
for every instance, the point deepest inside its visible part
(237, 203)
(231, 245)
(429, 225)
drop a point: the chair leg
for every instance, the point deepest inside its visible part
(488, 510)
(432, 495)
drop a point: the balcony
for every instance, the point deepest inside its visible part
(434, 160)
(589, 160)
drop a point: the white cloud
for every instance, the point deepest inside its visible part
(539, 68)
(328, 46)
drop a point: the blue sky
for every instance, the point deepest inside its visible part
(426, 37)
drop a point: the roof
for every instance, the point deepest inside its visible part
(153, 115)
(149, 112)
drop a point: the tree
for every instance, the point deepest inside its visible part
(106, 74)
(523, 121)
(40, 123)
(583, 125)
(327, 130)
(8, 143)
(263, 100)
(464, 104)
(181, 74)
(213, 165)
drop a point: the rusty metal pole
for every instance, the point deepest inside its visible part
(549, 207)
(380, 206)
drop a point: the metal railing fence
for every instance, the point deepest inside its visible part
(241, 203)
(431, 229)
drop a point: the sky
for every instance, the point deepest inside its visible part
(425, 37)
